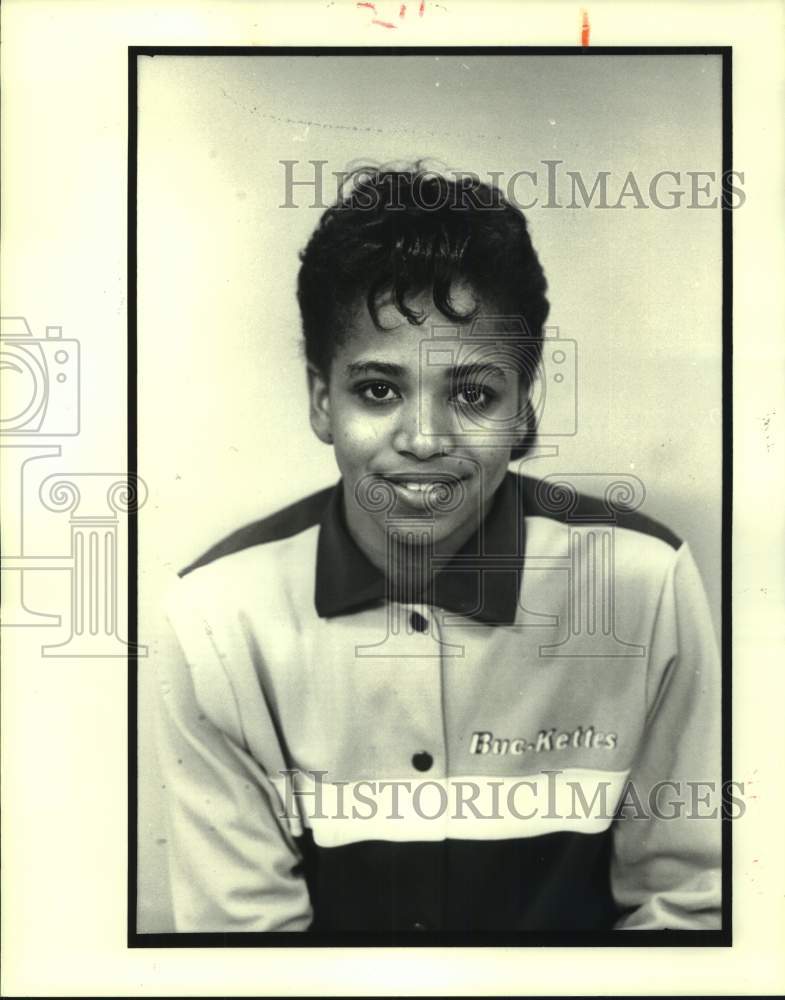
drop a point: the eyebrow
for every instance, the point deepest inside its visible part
(374, 367)
(455, 373)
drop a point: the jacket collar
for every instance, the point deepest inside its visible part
(480, 581)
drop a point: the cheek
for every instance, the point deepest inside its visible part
(355, 436)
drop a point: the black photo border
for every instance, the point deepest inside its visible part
(275, 939)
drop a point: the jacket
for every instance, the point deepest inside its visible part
(514, 746)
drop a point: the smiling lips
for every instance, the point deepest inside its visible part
(414, 487)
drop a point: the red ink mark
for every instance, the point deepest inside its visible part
(585, 27)
(370, 6)
(422, 7)
(384, 24)
(402, 11)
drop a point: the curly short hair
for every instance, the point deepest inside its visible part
(402, 232)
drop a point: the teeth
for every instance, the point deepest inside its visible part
(418, 487)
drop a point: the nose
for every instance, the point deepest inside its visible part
(423, 430)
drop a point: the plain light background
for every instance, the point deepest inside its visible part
(221, 376)
(64, 733)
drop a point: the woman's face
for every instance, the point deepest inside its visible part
(422, 419)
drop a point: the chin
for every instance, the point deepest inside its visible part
(445, 527)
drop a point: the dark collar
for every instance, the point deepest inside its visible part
(481, 581)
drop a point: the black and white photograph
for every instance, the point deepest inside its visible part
(391, 449)
(438, 341)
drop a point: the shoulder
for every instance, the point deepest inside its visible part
(560, 508)
(268, 563)
(289, 522)
(260, 574)
(561, 499)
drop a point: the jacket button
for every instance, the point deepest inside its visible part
(419, 624)
(422, 760)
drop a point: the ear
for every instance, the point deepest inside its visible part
(319, 410)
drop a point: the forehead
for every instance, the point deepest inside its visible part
(486, 335)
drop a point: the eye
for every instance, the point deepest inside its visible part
(377, 392)
(473, 395)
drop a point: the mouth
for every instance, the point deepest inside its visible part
(422, 490)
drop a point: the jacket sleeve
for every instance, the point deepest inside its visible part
(233, 860)
(666, 860)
